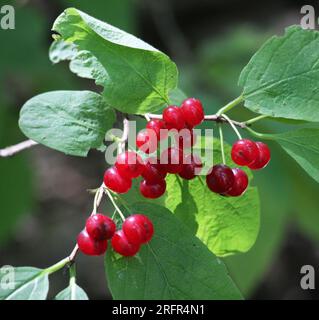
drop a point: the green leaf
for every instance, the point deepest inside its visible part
(174, 265)
(136, 77)
(303, 146)
(226, 225)
(72, 292)
(72, 122)
(25, 283)
(281, 78)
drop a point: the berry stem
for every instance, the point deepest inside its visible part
(253, 120)
(56, 267)
(230, 105)
(232, 125)
(260, 135)
(221, 136)
(114, 203)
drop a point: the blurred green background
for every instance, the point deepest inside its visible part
(43, 195)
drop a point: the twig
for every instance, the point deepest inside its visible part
(124, 138)
(12, 150)
(211, 117)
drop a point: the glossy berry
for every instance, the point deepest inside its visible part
(138, 229)
(129, 164)
(116, 182)
(220, 179)
(244, 152)
(240, 184)
(89, 246)
(153, 190)
(146, 141)
(173, 117)
(191, 167)
(186, 138)
(193, 112)
(152, 171)
(100, 227)
(159, 127)
(263, 157)
(122, 246)
(172, 160)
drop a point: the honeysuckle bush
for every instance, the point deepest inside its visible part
(194, 228)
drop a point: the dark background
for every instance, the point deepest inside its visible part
(43, 195)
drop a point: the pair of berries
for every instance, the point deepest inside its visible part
(136, 230)
(254, 155)
(234, 182)
(98, 230)
(187, 116)
(226, 181)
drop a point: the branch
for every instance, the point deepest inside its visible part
(12, 150)
(211, 117)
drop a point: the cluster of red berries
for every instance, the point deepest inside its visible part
(173, 160)
(234, 182)
(136, 230)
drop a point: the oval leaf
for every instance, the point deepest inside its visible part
(303, 146)
(226, 225)
(23, 283)
(136, 77)
(174, 265)
(281, 78)
(72, 122)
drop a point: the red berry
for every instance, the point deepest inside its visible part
(117, 183)
(193, 112)
(191, 167)
(244, 152)
(240, 185)
(172, 160)
(138, 229)
(90, 246)
(153, 190)
(221, 178)
(146, 141)
(122, 246)
(129, 164)
(263, 157)
(173, 117)
(186, 138)
(159, 127)
(152, 171)
(100, 227)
